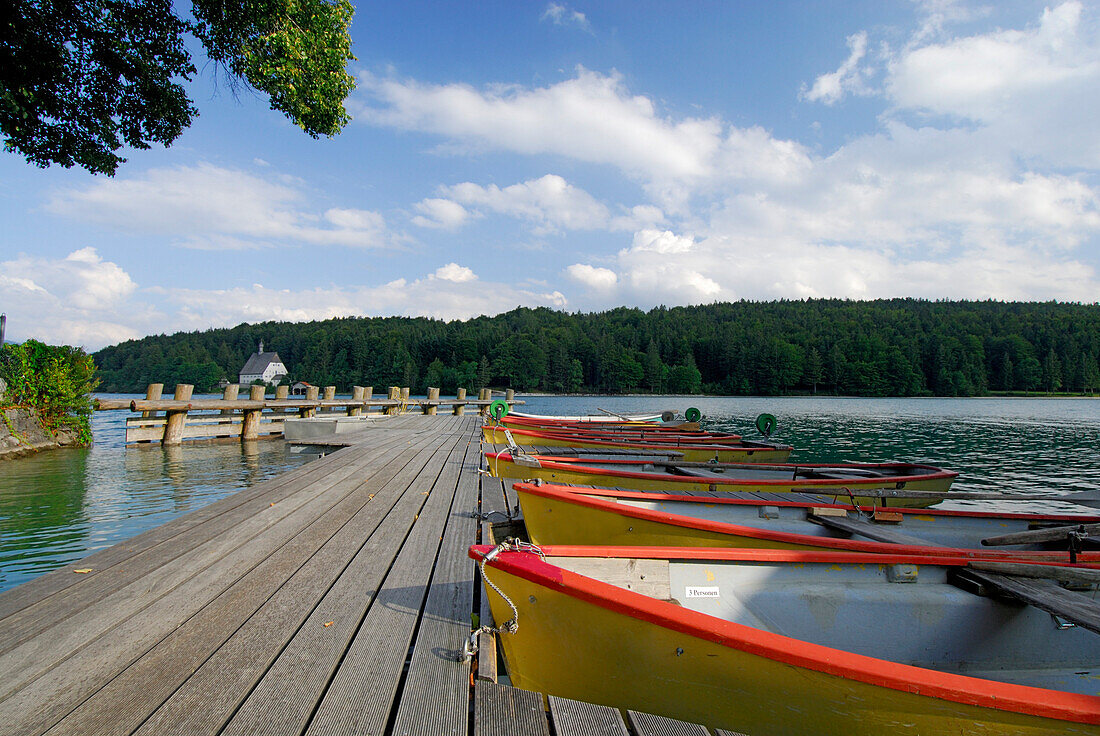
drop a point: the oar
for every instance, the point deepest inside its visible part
(1060, 573)
(1047, 534)
(1038, 588)
(1082, 498)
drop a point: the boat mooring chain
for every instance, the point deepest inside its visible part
(510, 626)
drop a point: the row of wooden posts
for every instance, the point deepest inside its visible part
(170, 421)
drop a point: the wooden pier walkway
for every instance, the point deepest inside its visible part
(333, 599)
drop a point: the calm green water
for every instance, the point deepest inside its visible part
(59, 506)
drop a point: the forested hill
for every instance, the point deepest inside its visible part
(899, 347)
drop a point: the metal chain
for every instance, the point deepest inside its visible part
(510, 626)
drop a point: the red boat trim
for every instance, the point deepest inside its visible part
(974, 691)
(562, 463)
(579, 497)
(673, 496)
(650, 443)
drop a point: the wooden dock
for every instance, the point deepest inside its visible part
(333, 599)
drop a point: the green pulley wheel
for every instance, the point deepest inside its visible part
(498, 409)
(693, 414)
(766, 424)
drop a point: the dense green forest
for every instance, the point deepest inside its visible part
(897, 347)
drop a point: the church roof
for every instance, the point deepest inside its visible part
(259, 361)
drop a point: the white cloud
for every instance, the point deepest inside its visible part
(560, 15)
(431, 296)
(850, 77)
(1036, 91)
(662, 242)
(549, 202)
(442, 214)
(593, 277)
(455, 273)
(75, 300)
(591, 117)
(218, 208)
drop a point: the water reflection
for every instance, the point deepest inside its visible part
(59, 506)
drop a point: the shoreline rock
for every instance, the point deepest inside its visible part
(30, 435)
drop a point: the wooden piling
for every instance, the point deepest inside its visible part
(510, 396)
(282, 392)
(433, 395)
(356, 395)
(230, 394)
(311, 395)
(176, 420)
(484, 395)
(250, 425)
(152, 393)
(460, 409)
(394, 394)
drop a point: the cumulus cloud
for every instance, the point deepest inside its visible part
(850, 77)
(593, 277)
(549, 202)
(218, 208)
(455, 273)
(591, 117)
(1035, 90)
(443, 214)
(75, 300)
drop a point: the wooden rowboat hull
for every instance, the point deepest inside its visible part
(633, 475)
(727, 453)
(666, 632)
(570, 515)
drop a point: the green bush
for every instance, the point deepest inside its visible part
(54, 380)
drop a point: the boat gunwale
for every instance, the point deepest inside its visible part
(921, 681)
(581, 497)
(747, 447)
(565, 463)
(672, 496)
(604, 436)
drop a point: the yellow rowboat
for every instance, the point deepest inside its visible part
(733, 451)
(787, 642)
(654, 474)
(573, 515)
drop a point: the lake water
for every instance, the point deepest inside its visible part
(59, 506)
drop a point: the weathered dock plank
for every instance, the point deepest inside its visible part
(575, 718)
(502, 709)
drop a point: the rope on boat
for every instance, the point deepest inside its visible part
(852, 498)
(510, 626)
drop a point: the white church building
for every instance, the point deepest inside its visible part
(266, 367)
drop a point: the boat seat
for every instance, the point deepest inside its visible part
(870, 530)
(1047, 595)
(841, 473)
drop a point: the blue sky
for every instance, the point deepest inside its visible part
(583, 156)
